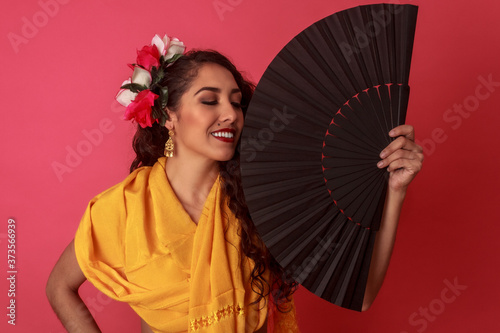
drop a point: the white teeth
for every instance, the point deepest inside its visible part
(228, 135)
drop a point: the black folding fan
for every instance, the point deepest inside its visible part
(315, 127)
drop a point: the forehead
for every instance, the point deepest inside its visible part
(213, 75)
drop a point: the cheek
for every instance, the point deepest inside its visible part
(197, 122)
(193, 118)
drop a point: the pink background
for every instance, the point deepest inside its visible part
(62, 63)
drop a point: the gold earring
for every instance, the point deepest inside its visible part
(169, 145)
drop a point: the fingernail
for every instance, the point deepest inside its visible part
(392, 132)
(382, 154)
(380, 164)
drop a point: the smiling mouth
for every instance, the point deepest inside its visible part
(226, 135)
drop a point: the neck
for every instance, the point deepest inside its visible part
(191, 177)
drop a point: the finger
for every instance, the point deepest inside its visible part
(400, 143)
(400, 154)
(403, 130)
(411, 166)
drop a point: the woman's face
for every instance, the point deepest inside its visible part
(210, 120)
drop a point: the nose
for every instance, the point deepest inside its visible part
(229, 113)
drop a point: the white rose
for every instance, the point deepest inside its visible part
(176, 47)
(125, 96)
(161, 44)
(141, 76)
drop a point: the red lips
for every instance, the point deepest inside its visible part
(224, 134)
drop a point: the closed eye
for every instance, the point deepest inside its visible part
(235, 104)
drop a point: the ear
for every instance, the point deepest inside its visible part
(172, 119)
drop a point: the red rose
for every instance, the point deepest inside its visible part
(140, 108)
(148, 57)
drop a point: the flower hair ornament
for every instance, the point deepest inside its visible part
(142, 93)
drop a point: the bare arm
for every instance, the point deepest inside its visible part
(403, 159)
(145, 327)
(62, 293)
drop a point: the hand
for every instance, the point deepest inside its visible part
(402, 157)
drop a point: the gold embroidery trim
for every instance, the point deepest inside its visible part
(216, 316)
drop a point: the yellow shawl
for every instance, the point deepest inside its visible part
(137, 244)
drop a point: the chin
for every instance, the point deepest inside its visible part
(225, 157)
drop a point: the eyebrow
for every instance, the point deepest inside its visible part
(216, 90)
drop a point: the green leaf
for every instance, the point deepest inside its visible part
(153, 71)
(160, 75)
(162, 120)
(155, 113)
(164, 97)
(134, 87)
(174, 58)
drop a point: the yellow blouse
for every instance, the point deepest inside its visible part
(137, 244)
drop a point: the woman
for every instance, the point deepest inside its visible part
(174, 239)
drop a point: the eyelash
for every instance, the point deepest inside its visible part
(238, 105)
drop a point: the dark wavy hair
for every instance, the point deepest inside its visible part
(149, 142)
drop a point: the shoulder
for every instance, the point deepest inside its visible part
(104, 224)
(115, 203)
(135, 180)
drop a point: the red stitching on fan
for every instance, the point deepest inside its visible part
(362, 226)
(332, 122)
